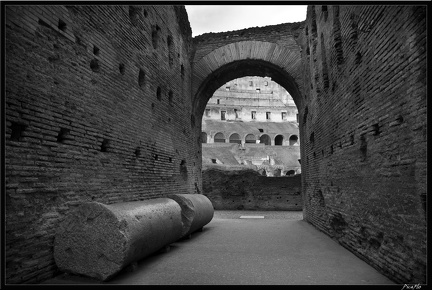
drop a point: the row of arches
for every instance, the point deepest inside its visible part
(250, 138)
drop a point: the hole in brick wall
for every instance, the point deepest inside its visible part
(331, 149)
(145, 13)
(170, 159)
(312, 138)
(374, 244)
(62, 135)
(94, 65)
(376, 129)
(183, 169)
(352, 139)
(324, 63)
(423, 202)
(322, 152)
(338, 223)
(156, 157)
(182, 71)
(153, 106)
(261, 130)
(308, 50)
(61, 25)
(358, 58)
(155, 36)
(105, 145)
(17, 130)
(170, 97)
(43, 23)
(192, 121)
(399, 119)
(159, 93)
(95, 50)
(170, 51)
(314, 154)
(134, 14)
(137, 152)
(363, 147)
(320, 198)
(314, 25)
(141, 78)
(306, 30)
(325, 12)
(122, 68)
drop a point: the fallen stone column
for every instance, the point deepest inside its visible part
(98, 240)
(197, 211)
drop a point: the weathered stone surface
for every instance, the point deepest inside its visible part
(98, 240)
(246, 189)
(197, 211)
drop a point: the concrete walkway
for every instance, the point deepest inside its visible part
(277, 249)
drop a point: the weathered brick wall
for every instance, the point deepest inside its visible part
(363, 131)
(247, 190)
(98, 108)
(271, 51)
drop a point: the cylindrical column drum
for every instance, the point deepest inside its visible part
(98, 240)
(197, 211)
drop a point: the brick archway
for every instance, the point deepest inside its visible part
(246, 58)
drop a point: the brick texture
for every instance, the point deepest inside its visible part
(363, 131)
(247, 190)
(84, 121)
(102, 104)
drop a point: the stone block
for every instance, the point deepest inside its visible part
(99, 240)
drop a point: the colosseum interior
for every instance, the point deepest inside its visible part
(105, 103)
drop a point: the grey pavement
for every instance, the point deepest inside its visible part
(279, 249)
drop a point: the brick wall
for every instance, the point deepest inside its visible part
(246, 189)
(97, 109)
(363, 130)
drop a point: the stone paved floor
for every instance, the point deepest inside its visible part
(280, 249)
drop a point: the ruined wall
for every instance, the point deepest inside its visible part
(97, 109)
(364, 133)
(246, 189)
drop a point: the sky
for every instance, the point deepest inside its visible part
(221, 18)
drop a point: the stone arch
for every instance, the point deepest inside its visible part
(265, 139)
(246, 58)
(235, 138)
(203, 137)
(293, 140)
(219, 138)
(279, 140)
(250, 138)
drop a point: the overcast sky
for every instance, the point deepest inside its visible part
(221, 18)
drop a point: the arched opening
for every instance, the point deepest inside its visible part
(203, 137)
(235, 138)
(208, 89)
(250, 139)
(265, 139)
(290, 172)
(293, 140)
(219, 138)
(279, 140)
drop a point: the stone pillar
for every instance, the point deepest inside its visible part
(98, 240)
(197, 211)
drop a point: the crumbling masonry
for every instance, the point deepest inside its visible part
(104, 103)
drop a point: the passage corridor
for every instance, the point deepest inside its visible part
(280, 248)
